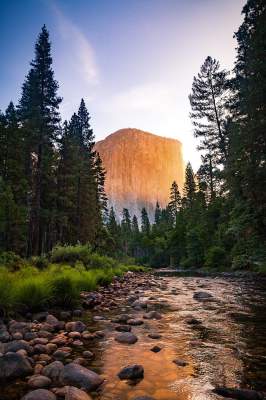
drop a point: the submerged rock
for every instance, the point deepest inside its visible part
(13, 365)
(76, 375)
(123, 328)
(202, 296)
(180, 363)
(131, 372)
(126, 337)
(240, 394)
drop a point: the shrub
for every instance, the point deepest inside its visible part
(6, 300)
(11, 261)
(103, 262)
(40, 262)
(65, 292)
(71, 254)
(215, 257)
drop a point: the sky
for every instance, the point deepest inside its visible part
(132, 61)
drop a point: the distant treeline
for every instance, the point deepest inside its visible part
(52, 181)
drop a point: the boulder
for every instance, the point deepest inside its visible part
(131, 372)
(12, 366)
(39, 381)
(75, 326)
(16, 345)
(39, 394)
(53, 371)
(180, 363)
(123, 328)
(154, 335)
(79, 376)
(202, 296)
(126, 337)
(156, 349)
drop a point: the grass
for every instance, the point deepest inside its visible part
(58, 284)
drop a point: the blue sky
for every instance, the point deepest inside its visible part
(132, 61)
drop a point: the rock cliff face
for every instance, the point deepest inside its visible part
(140, 169)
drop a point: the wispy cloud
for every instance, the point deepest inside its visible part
(82, 53)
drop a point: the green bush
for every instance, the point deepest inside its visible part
(215, 257)
(71, 254)
(6, 299)
(11, 261)
(40, 262)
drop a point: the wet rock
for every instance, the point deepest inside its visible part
(193, 321)
(76, 375)
(139, 304)
(87, 354)
(73, 393)
(126, 337)
(123, 328)
(61, 355)
(131, 372)
(154, 335)
(54, 322)
(12, 366)
(156, 349)
(39, 394)
(16, 345)
(180, 363)
(99, 318)
(74, 335)
(53, 371)
(39, 381)
(122, 318)
(202, 296)
(65, 315)
(135, 322)
(152, 315)
(240, 394)
(77, 326)
(99, 334)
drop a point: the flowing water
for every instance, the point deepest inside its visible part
(227, 348)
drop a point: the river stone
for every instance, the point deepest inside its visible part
(75, 326)
(39, 394)
(22, 327)
(202, 296)
(16, 345)
(154, 335)
(53, 321)
(53, 370)
(13, 365)
(4, 335)
(123, 328)
(135, 322)
(152, 315)
(77, 375)
(39, 381)
(239, 394)
(73, 393)
(180, 363)
(126, 337)
(131, 372)
(156, 349)
(87, 354)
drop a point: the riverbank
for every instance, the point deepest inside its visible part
(182, 337)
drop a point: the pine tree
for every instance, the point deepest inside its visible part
(135, 225)
(189, 190)
(145, 222)
(175, 201)
(40, 122)
(100, 181)
(246, 171)
(157, 214)
(208, 99)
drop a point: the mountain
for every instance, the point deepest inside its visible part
(140, 169)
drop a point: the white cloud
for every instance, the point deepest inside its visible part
(81, 54)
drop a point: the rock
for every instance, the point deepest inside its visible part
(41, 316)
(4, 335)
(22, 352)
(152, 315)
(135, 161)
(193, 321)
(126, 337)
(51, 347)
(154, 335)
(139, 304)
(99, 318)
(38, 369)
(239, 394)
(123, 328)
(59, 340)
(39, 381)
(77, 326)
(40, 348)
(45, 334)
(180, 363)
(99, 334)
(30, 335)
(61, 354)
(53, 371)
(42, 341)
(22, 327)
(79, 360)
(135, 322)
(39, 394)
(53, 321)
(156, 349)
(144, 398)
(17, 336)
(74, 335)
(16, 345)
(202, 296)
(73, 393)
(87, 354)
(77, 375)
(12, 366)
(122, 318)
(131, 372)
(77, 343)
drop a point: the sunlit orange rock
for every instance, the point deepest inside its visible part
(140, 169)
